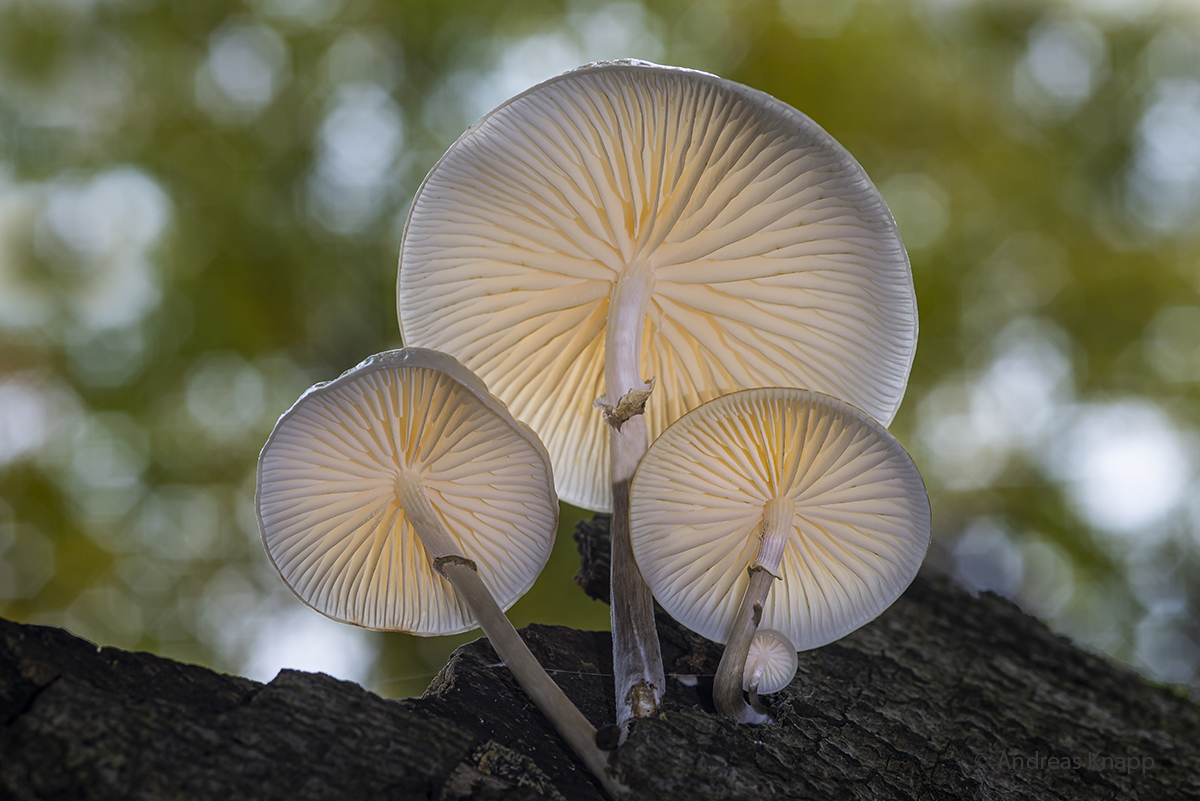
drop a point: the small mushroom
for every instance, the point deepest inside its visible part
(403, 496)
(770, 666)
(776, 507)
(626, 227)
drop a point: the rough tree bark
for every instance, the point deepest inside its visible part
(944, 696)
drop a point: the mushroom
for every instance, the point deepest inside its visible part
(770, 666)
(776, 507)
(626, 223)
(403, 496)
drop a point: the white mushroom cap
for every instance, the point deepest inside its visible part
(327, 493)
(772, 662)
(860, 520)
(773, 258)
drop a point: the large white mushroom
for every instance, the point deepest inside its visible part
(403, 496)
(779, 508)
(625, 223)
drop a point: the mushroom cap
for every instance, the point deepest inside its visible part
(774, 260)
(327, 504)
(774, 655)
(860, 526)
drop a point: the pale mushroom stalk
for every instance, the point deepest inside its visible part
(751, 688)
(462, 574)
(727, 686)
(637, 659)
(755, 703)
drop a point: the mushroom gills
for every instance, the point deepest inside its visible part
(382, 493)
(544, 239)
(776, 508)
(770, 666)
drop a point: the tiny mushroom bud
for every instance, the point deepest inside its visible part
(403, 496)
(770, 666)
(779, 507)
(656, 237)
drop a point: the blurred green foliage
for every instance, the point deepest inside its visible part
(200, 211)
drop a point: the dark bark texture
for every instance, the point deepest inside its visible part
(945, 696)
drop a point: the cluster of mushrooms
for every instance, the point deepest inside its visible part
(699, 303)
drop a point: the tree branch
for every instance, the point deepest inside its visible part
(944, 696)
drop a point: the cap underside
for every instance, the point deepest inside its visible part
(859, 532)
(329, 512)
(775, 656)
(773, 258)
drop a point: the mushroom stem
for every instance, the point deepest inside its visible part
(727, 686)
(755, 704)
(639, 679)
(579, 733)
(637, 659)
(463, 575)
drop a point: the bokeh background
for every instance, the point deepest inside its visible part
(200, 212)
